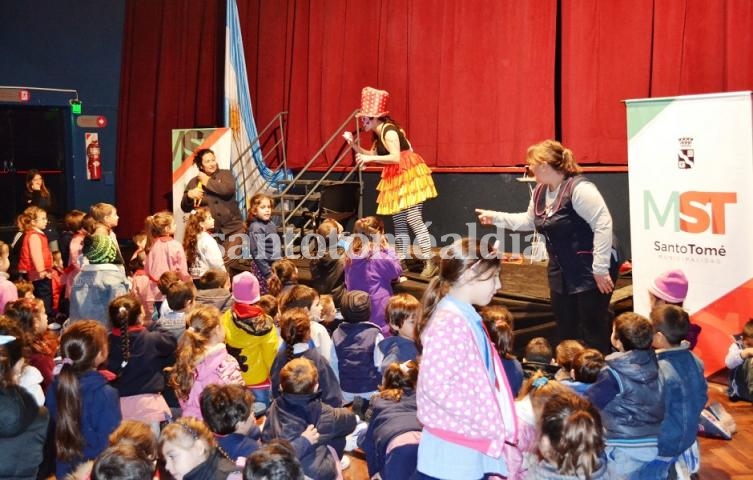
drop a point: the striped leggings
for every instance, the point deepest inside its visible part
(411, 217)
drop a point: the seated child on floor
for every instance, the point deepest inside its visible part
(276, 460)
(228, 412)
(498, 322)
(356, 342)
(630, 396)
(671, 288)
(190, 451)
(213, 288)
(298, 407)
(564, 354)
(534, 393)
(686, 392)
(738, 360)
(538, 356)
(391, 440)
(571, 443)
(585, 369)
(402, 313)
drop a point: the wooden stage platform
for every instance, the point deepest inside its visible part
(525, 292)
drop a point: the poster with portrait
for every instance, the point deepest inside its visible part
(185, 142)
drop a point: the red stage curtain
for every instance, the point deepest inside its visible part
(172, 77)
(471, 82)
(612, 51)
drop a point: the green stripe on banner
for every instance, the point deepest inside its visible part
(639, 113)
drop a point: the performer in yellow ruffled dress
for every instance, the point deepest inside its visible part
(406, 179)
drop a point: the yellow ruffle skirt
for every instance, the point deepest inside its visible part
(405, 184)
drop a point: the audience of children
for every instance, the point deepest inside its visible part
(538, 356)
(202, 359)
(301, 405)
(498, 323)
(98, 282)
(35, 257)
(30, 316)
(356, 341)
(671, 287)
(371, 266)
(302, 296)
(307, 368)
(8, 290)
(276, 460)
(213, 288)
(138, 356)
(202, 250)
(264, 242)
(464, 398)
(179, 297)
(585, 370)
(190, 452)
(327, 264)
(251, 337)
(738, 360)
(84, 408)
(163, 252)
(629, 393)
(570, 445)
(685, 392)
(295, 330)
(23, 424)
(391, 440)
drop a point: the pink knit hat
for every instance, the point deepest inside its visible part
(671, 286)
(246, 288)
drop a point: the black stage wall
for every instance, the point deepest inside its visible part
(461, 193)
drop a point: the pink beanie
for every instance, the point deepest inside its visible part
(246, 288)
(671, 286)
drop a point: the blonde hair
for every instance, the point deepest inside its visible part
(157, 226)
(200, 323)
(328, 304)
(99, 211)
(554, 154)
(184, 432)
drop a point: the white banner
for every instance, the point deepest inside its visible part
(690, 168)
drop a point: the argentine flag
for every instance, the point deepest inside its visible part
(246, 162)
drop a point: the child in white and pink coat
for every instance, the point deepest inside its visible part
(164, 253)
(464, 399)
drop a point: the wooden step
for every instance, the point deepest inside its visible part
(314, 197)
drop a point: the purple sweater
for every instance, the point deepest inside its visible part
(374, 274)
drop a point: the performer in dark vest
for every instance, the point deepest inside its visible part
(571, 214)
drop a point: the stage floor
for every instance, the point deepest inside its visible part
(525, 292)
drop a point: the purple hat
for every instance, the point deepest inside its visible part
(246, 288)
(671, 286)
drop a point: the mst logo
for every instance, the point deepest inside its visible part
(686, 155)
(691, 212)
